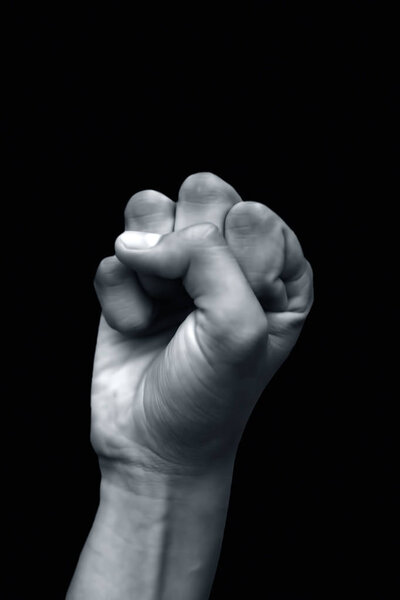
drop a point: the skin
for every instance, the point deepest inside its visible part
(193, 327)
(173, 396)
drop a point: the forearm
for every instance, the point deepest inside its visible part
(157, 538)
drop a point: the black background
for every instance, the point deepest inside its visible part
(294, 104)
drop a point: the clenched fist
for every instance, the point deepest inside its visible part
(202, 302)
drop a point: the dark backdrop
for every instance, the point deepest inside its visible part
(296, 107)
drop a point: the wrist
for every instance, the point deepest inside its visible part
(171, 524)
(155, 535)
(137, 494)
(139, 480)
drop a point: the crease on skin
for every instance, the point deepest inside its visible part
(210, 400)
(306, 302)
(195, 329)
(288, 322)
(148, 420)
(160, 413)
(207, 188)
(207, 198)
(148, 202)
(299, 275)
(150, 211)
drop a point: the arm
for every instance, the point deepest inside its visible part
(156, 539)
(194, 325)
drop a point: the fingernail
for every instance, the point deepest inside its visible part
(139, 240)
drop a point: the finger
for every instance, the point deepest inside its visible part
(228, 314)
(297, 275)
(124, 304)
(149, 210)
(271, 257)
(254, 234)
(204, 197)
(152, 211)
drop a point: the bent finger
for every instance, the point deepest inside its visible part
(125, 305)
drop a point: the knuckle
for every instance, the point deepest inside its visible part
(201, 182)
(199, 178)
(127, 322)
(110, 272)
(246, 217)
(103, 269)
(141, 202)
(110, 317)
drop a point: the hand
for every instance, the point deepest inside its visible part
(193, 327)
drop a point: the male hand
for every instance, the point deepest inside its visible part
(193, 327)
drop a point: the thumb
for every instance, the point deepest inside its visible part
(228, 312)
